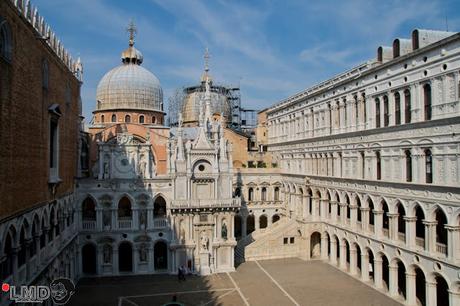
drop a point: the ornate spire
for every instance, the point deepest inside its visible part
(207, 100)
(206, 75)
(132, 30)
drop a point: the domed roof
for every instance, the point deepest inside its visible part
(130, 86)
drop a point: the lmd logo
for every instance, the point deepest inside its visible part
(60, 291)
(27, 294)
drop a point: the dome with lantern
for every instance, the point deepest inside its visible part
(130, 86)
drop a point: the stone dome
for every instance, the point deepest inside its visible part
(130, 86)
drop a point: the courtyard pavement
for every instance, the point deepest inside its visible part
(265, 283)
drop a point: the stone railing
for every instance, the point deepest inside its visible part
(125, 224)
(420, 242)
(441, 248)
(160, 223)
(199, 203)
(88, 225)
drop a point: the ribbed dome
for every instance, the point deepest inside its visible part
(129, 86)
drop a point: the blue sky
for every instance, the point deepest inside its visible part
(273, 49)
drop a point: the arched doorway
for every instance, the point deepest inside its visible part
(160, 251)
(250, 224)
(401, 279)
(88, 258)
(125, 257)
(263, 221)
(315, 245)
(385, 273)
(237, 229)
(420, 286)
(442, 291)
(275, 218)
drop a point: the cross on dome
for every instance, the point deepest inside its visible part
(132, 30)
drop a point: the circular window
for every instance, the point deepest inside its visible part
(405, 79)
(425, 59)
(405, 66)
(444, 67)
(425, 73)
(160, 234)
(201, 167)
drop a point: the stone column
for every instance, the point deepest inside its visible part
(324, 245)
(430, 293)
(393, 285)
(393, 226)
(334, 212)
(353, 216)
(333, 258)
(343, 213)
(454, 298)
(353, 260)
(410, 231)
(365, 218)
(453, 242)
(305, 211)
(343, 256)
(411, 296)
(430, 236)
(378, 273)
(364, 266)
(115, 260)
(378, 223)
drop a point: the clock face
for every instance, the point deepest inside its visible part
(122, 164)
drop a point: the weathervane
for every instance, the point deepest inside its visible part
(132, 30)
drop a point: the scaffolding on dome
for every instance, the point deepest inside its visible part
(232, 95)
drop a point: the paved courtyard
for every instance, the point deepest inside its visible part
(269, 282)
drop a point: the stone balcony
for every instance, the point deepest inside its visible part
(206, 203)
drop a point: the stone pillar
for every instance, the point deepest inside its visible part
(378, 273)
(353, 260)
(305, 212)
(453, 242)
(393, 226)
(410, 231)
(393, 285)
(378, 223)
(365, 218)
(430, 293)
(256, 222)
(333, 258)
(411, 296)
(343, 256)
(135, 257)
(430, 236)
(333, 212)
(454, 298)
(353, 216)
(364, 266)
(324, 245)
(115, 260)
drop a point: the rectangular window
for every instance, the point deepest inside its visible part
(291, 240)
(285, 240)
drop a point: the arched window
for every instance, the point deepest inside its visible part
(127, 118)
(277, 194)
(114, 118)
(377, 113)
(427, 101)
(102, 118)
(141, 119)
(7, 265)
(88, 210)
(124, 208)
(407, 106)
(408, 157)
(159, 207)
(263, 194)
(386, 114)
(154, 119)
(428, 166)
(397, 109)
(250, 194)
(378, 165)
(441, 231)
(6, 42)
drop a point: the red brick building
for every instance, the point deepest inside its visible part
(40, 119)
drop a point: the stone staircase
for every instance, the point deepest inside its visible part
(254, 246)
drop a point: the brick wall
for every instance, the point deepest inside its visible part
(24, 120)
